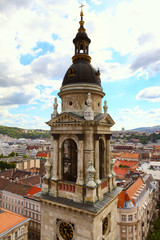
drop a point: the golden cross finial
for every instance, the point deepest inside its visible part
(82, 5)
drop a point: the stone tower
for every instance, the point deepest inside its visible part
(79, 194)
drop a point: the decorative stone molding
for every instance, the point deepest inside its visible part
(55, 106)
(91, 172)
(48, 166)
(105, 107)
(89, 114)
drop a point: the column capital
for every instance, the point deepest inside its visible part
(108, 136)
(96, 137)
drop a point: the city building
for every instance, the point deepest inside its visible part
(127, 156)
(79, 193)
(136, 208)
(154, 170)
(13, 226)
(19, 198)
(33, 211)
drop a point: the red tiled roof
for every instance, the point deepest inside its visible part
(9, 219)
(129, 193)
(33, 180)
(121, 199)
(120, 171)
(3, 183)
(30, 147)
(43, 154)
(130, 155)
(32, 191)
(17, 188)
(132, 165)
(125, 163)
(134, 188)
(157, 147)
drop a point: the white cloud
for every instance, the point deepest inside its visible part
(97, 2)
(137, 117)
(127, 29)
(151, 94)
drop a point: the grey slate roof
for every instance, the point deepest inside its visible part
(89, 207)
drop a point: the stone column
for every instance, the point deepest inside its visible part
(96, 157)
(88, 152)
(80, 176)
(108, 155)
(55, 157)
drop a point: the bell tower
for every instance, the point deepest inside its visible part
(79, 193)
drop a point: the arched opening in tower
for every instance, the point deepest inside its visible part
(101, 159)
(69, 160)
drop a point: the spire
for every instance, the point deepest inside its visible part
(81, 29)
(81, 14)
(81, 42)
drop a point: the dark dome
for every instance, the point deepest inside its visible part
(81, 72)
(81, 36)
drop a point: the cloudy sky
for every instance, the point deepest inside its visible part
(36, 49)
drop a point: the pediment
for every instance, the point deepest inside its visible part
(65, 118)
(107, 119)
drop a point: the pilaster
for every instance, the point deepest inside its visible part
(55, 156)
(80, 177)
(96, 157)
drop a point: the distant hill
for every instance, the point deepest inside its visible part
(148, 129)
(15, 132)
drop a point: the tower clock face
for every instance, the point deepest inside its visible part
(105, 225)
(66, 231)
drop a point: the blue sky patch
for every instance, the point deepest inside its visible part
(39, 50)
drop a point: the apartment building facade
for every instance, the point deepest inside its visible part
(19, 198)
(136, 208)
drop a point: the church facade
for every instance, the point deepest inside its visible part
(79, 193)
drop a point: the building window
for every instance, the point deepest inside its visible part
(130, 218)
(69, 160)
(135, 216)
(22, 230)
(9, 238)
(124, 218)
(130, 228)
(123, 229)
(16, 235)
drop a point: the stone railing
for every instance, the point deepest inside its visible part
(67, 187)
